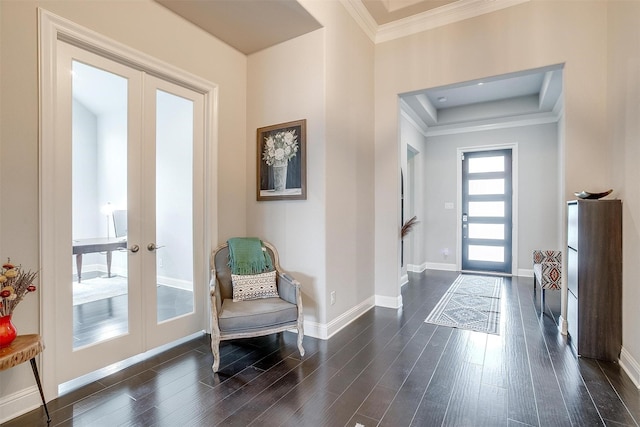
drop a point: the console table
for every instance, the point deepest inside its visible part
(23, 348)
(98, 244)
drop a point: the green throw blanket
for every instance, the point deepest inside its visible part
(247, 255)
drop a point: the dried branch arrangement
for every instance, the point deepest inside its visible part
(408, 226)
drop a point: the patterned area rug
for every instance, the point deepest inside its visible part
(472, 302)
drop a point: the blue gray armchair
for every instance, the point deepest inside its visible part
(251, 318)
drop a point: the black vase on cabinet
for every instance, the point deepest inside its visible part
(594, 277)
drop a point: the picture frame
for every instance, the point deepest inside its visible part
(282, 161)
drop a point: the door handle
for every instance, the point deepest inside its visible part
(152, 247)
(134, 248)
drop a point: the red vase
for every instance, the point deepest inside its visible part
(8, 332)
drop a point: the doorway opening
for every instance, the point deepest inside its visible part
(521, 111)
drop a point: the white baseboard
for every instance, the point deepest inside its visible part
(404, 280)
(630, 366)
(19, 403)
(389, 302)
(163, 280)
(327, 330)
(414, 268)
(175, 283)
(441, 266)
(525, 272)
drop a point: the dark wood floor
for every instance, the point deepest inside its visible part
(387, 368)
(107, 318)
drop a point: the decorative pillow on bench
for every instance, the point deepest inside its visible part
(254, 286)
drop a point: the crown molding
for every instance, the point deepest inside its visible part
(493, 124)
(409, 114)
(361, 15)
(444, 15)
(479, 125)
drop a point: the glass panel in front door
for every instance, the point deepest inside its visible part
(99, 205)
(174, 205)
(486, 207)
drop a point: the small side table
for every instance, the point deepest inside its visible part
(23, 348)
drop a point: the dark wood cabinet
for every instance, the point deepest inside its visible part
(594, 277)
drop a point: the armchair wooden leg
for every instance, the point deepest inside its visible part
(215, 349)
(300, 337)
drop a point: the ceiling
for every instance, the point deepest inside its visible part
(528, 96)
(386, 11)
(253, 25)
(247, 25)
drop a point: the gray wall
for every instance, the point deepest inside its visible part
(412, 140)
(86, 223)
(538, 188)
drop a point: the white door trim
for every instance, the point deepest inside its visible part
(514, 180)
(53, 28)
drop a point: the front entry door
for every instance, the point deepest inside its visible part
(487, 211)
(130, 177)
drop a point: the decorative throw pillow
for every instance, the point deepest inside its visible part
(254, 286)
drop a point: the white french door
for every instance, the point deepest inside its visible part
(129, 170)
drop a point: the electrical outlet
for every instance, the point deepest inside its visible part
(445, 253)
(333, 297)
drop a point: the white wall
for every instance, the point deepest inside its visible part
(286, 83)
(325, 77)
(86, 223)
(141, 25)
(624, 135)
(349, 163)
(174, 187)
(531, 35)
(111, 165)
(111, 188)
(537, 179)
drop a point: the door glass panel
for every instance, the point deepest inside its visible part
(486, 186)
(99, 194)
(174, 205)
(486, 164)
(486, 253)
(486, 209)
(486, 231)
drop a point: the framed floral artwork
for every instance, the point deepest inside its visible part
(282, 161)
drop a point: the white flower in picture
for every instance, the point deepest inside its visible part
(280, 146)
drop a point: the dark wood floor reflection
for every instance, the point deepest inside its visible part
(388, 368)
(107, 318)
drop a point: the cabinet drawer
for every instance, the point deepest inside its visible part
(572, 270)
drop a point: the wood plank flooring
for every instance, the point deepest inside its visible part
(107, 318)
(388, 368)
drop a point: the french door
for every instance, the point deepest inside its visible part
(130, 180)
(487, 192)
